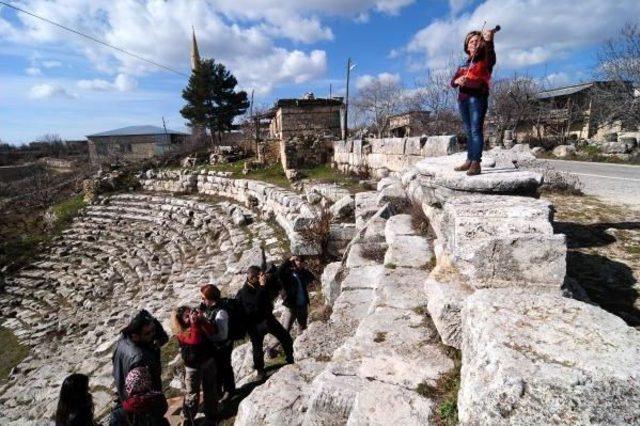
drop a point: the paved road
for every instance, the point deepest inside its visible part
(619, 183)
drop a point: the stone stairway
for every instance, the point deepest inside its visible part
(364, 365)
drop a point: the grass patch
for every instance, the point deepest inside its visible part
(66, 211)
(324, 173)
(445, 391)
(273, 174)
(12, 352)
(23, 233)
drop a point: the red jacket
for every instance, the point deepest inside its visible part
(479, 75)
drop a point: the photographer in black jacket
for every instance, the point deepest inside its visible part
(295, 279)
(260, 320)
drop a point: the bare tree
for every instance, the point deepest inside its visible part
(377, 101)
(619, 64)
(511, 103)
(434, 94)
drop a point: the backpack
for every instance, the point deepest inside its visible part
(237, 318)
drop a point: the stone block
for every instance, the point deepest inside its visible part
(444, 303)
(398, 225)
(409, 251)
(343, 209)
(437, 146)
(330, 281)
(531, 358)
(395, 196)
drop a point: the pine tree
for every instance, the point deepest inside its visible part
(212, 101)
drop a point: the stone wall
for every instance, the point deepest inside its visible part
(291, 212)
(380, 156)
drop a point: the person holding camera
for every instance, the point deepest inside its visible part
(260, 321)
(295, 279)
(192, 330)
(217, 310)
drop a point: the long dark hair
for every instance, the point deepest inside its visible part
(75, 406)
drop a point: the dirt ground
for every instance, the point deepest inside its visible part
(603, 242)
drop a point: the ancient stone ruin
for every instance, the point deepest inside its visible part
(485, 277)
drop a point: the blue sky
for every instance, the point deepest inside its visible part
(52, 81)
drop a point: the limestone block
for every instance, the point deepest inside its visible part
(366, 207)
(251, 257)
(340, 234)
(563, 151)
(395, 196)
(381, 404)
(413, 145)
(393, 346)
(409, 251)
(531, 358)
(437, 146)
(330, 281)
(343, 209)
(445, 300)
(398, 225)
(332, 398)
(401, 288)
(439, 172)
(615, 148)
(282, 399)
(388, 181)
(364, 254)
(538, 260)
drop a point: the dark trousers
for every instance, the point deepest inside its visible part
(472, 111)
(299, 313)
(257, 333)
(226, 377)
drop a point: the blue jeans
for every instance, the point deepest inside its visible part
(472, 110)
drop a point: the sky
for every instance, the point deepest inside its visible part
(55, 82)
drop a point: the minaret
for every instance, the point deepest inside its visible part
(195, 54)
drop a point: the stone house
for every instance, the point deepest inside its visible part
(305, 116)
(133, 143)
(569, 112)
(406, 124)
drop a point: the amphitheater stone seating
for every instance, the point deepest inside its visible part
(123, 253)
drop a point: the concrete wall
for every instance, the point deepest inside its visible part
(394, 154)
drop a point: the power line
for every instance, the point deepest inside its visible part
(104, 43)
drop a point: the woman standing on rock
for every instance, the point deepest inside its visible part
(472, 79)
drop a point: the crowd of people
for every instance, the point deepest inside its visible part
(206, 335)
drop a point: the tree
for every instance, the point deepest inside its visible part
(212, 102)
(619, 64)
(377, 101)
(434, 94)
(511, 103)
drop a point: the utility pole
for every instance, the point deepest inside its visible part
(346, 102)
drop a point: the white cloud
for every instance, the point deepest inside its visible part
(384, 78)
(122, 83)
(533, 31)
(51, 64)
(245, 35)
(49, 90)
(33, 71)
(457, 5)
